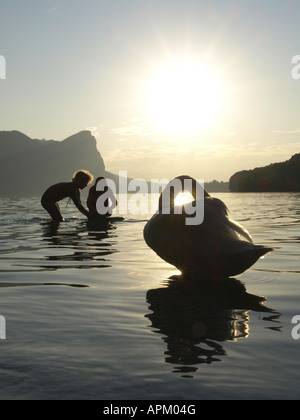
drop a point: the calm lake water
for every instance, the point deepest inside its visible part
(92, 313)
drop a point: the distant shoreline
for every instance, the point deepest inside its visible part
(277, 177)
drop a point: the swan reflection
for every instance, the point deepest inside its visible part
(194, 318)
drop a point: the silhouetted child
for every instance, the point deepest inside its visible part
(63, 190)
(93, 197)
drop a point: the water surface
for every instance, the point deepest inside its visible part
(93, 313)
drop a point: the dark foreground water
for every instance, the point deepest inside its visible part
(92, 313)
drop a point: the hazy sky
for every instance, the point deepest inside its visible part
(168, 87)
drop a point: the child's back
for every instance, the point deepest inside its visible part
(62, 190)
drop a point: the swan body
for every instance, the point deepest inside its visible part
(218, 247)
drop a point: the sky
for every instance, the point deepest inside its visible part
(167, 87)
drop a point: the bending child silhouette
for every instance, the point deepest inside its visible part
(94, 195)
(63, 190)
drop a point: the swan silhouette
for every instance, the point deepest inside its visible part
(218, 247)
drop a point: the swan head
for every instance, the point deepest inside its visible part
(176, 186)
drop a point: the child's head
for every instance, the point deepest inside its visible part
(82, 178)
(100, 178)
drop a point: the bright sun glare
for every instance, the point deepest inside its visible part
(185, 97)
(183, 198)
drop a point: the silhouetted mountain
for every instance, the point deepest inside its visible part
(29, 166)
(277, 177)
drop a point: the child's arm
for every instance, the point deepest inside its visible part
(77, 202)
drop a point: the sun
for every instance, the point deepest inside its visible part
(183, 198)
(185, 97)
